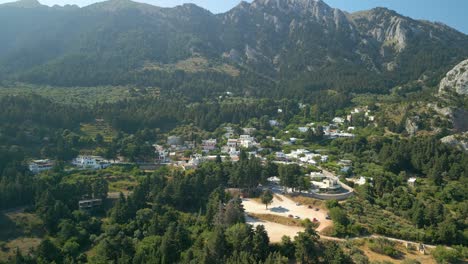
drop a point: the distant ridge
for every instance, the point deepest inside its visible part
(302, 43)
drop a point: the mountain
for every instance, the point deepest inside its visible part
(300, 44)
(456, 79)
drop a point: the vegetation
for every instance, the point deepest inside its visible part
(267, 198)
(128, 75)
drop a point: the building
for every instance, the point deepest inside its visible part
(338, 120)
(89, 204)
(162, 154)
(327, 184)
(232, 143)
(38, 166)
(246, 141)
(209, 145)
(303, 129)
(273, 123)
(412, 182)
(90, 162)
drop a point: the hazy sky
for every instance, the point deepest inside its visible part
(451, 12)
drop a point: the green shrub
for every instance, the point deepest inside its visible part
(384, 246)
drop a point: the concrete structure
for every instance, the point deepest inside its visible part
(232, 143)
(89, 204)
(209, 145)
(38, 166)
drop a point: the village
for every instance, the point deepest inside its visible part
(176, 151)
(329, 177)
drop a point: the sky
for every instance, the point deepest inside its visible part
(451, 12)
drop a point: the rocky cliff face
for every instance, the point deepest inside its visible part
(456, 80)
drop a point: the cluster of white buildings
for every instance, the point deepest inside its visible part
(323, 183)
(234, 145)
(81, 162)
(302, 156)
(91, 162)
(358, 110)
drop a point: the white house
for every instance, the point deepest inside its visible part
(338, 120)
(246, 141)
(232, 143)
(37, 166)
(90, 162)
(412, 181)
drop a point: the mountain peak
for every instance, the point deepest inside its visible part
(287, 4)
(116, 5)
(24, 4)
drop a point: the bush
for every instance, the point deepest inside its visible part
(446, 256)
(3, 246)
(384, 246)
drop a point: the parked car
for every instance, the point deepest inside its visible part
(317, 209)
(290, 216)
(328, 217)
(315, 220)
(298, 204)
(297, 217)
(310, 207)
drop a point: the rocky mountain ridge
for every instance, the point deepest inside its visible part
(287, 41)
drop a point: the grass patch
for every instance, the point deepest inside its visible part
(278, 219)
(385, 247)
(379, 221)
(92, 130)
(19, 230)
(194, 65)
(80, 95)
(307, 201)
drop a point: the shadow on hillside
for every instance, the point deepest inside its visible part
(8, 229)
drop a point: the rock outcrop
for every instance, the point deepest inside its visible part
(412, 125)
(459, 141)
(456, 80)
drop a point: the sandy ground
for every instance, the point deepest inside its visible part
(275, 231)
(284, 208)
